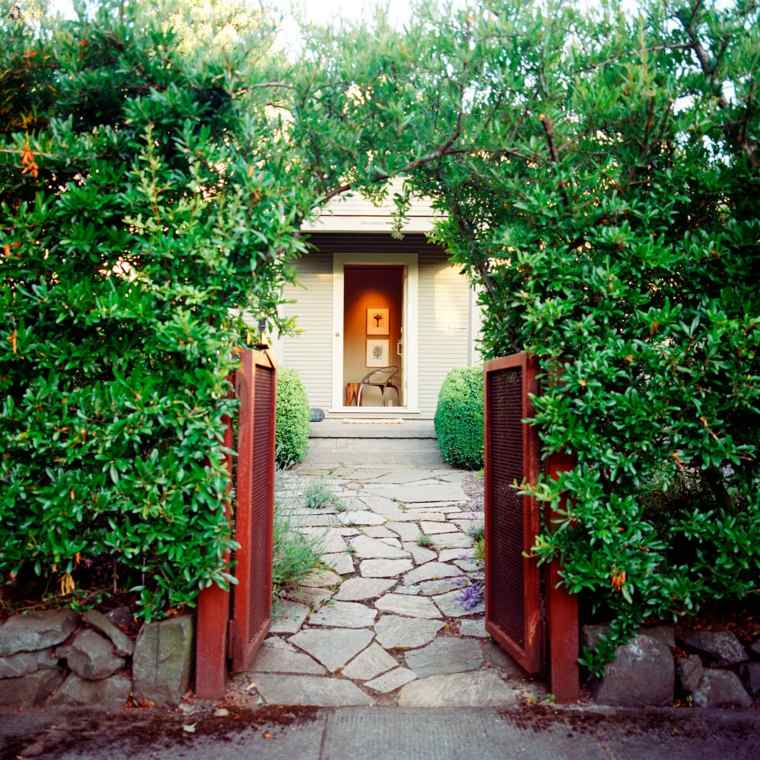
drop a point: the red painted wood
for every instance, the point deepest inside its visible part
(562, 617)
(528, 651)
(251, 619)
(212, 615)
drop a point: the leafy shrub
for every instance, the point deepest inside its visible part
(292, 424)
(294, 555)
(136, 212)
(459, 418)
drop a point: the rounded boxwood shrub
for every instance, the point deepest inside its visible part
(292, 419)
(459, 418)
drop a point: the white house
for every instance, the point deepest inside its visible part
(366, 300)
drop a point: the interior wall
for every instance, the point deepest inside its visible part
(370, 287)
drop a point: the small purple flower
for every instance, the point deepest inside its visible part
(471, 596)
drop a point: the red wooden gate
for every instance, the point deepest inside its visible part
(526, 613)
(233, 625)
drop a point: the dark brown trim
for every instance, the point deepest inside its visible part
(362, 242)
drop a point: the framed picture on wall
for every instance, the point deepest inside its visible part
(378, 352)
(377, 322)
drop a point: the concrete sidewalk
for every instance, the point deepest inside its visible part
(375, 733)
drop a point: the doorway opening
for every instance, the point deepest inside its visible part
(374, 375)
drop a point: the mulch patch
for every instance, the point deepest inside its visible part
(129, 729)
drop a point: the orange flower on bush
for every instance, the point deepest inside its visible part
(618, 579)
(28, 163)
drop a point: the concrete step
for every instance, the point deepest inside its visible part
(373, 452)
(373, 429)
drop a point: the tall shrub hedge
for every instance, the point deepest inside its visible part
(292, 428)
(459, 418)
(140, 203)
(598, 172)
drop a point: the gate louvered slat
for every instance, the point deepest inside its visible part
(513, 602)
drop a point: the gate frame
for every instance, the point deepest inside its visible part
(551, 642)
(222, 626)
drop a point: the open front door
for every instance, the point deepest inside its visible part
(513, 593)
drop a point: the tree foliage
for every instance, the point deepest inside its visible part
(144, 202)
(599, 173)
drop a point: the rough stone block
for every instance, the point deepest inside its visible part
(162, 660)
(91, 656)
(108, 692)
(642, 673)
(690, 672)
(29, 690)
(36, 630)
(721, 688)
(722, 647)
(123, 645)
(23, 663)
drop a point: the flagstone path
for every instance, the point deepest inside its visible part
(382, 622)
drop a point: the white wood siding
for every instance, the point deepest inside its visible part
(445, 325)
(310, 352)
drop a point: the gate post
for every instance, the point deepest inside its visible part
(562, 616)
(212, 615)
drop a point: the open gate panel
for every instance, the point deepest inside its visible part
(513, 592)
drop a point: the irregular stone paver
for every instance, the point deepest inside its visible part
(445, 655)
(415, 493)
(313, 597)
(314, 521)
(276, 656)
(417, 516)
(473, 628)
(431, 528)
(342, 563)
(392, 681)
(329, 541)
(407, 531)
(446, 555)
(420, 554)
(432, 588)
(394, 632)
(344, 615)
(310, 690)
(332, 647)
(321, 579)
(347, 532)
(412, 606)
(378, 532)
(288, 617)
(483, 688)
(361, 517)
(373, 548)
(370, 663)
(384, 568)
(450, 605)
(359, 589)
(468, 565)
(430, 572)
(452, 540)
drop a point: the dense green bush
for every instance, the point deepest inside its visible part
(136, 212)
(599, 173)
(292, 419)
(459, 418)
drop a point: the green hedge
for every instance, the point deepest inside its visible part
(459, 418)
(292, 419)
(137, 210)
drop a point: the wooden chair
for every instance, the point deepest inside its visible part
(381, 378)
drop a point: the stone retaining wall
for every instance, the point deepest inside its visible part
(658, 666)
(59, 657)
